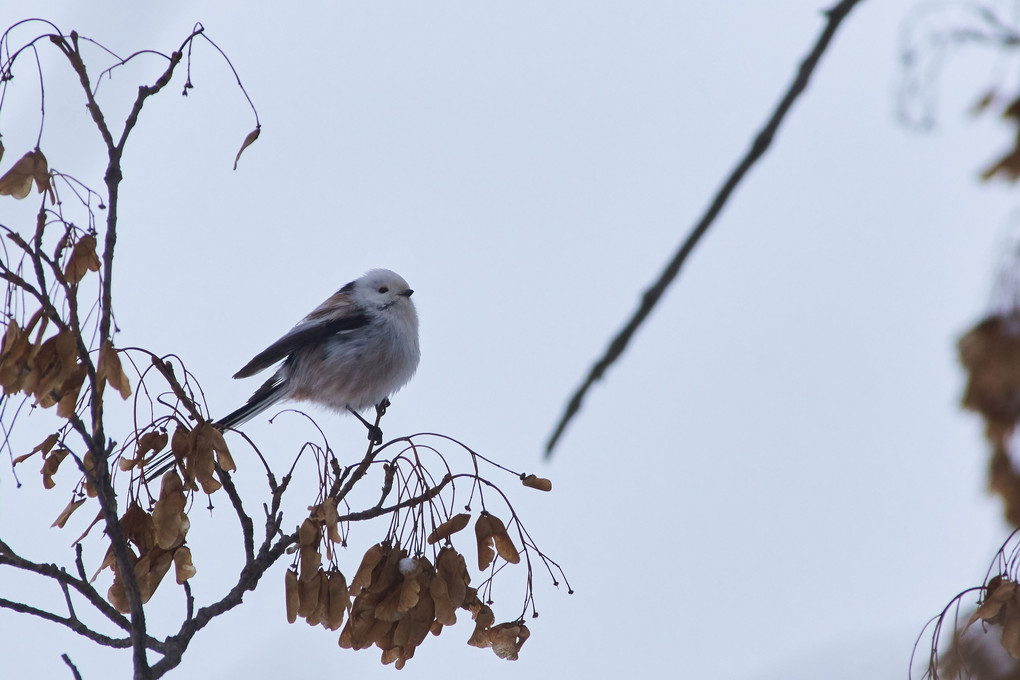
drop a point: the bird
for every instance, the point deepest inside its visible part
(349, 354)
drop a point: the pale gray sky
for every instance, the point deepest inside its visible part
(775, 481)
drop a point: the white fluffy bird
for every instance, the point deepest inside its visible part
(352, 352)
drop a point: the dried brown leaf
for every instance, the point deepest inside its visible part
(339, 600)
(998, 593)
(1011, 628)
(308, 592)
(204, 461)
(504, 546)
(15, 357)
(15, 347)
(322, 608)
(484, 618)
(452, 570)
(50, 465)
(386, 574)
(52, 366)
(359, 624)
(308, 534)
(410, 590)
(109, 560)
(398, 585)
(290, 580)
(111, 371)
(83, 259)
(326, 514)
(381, 634)
(212, 437)
(138, 527)
(41, 175)
(65, 514)
(11, 335)
(507, 639)
(182, 444)
(153, 442)
(184, 568)
(309, 563)
(414, 627)
(490, 531)
(392, 654)
(150, 570)
(168, 514)
(32, 167)
(117, 595)
(88, 465)
(540, 483)
(445, 609)
(449, 527)
(43, 447)
(483, 538)
(248, 140)
(363, 577)
(70, 391)
(22, 458)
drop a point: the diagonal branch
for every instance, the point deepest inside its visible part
(247, 526)
(9, 558)
(70, 664)
(70, 621)
(761, 143)
(175, 645)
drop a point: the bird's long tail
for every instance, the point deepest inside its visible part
(271, 392)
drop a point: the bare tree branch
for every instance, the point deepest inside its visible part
(71, 622)
(70, 664)
(761, 143)
(9, 558)
(251, 574)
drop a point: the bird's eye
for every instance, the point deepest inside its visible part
(384, 289)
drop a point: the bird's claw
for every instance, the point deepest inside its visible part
(375, 434)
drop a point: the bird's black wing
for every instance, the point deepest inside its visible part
(301, 336)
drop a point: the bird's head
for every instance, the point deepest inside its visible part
(382, 289)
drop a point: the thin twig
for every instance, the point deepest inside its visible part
(70, 664)
(247, 526)
(835, 17)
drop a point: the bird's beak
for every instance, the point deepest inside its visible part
(407, 293)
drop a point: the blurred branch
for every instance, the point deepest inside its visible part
(651, 296)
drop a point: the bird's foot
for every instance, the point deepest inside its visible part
(374, 431)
